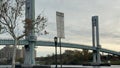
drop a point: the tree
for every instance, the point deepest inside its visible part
(11, 13)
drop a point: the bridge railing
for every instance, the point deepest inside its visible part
(50, 43)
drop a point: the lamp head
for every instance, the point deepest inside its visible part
(55, 39)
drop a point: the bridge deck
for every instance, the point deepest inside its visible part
(49, 43)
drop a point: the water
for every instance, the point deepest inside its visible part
(79, 66)
(112, 66)
(5, 66)
(72, 66)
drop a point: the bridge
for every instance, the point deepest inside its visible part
(32, 42)
(51, 44)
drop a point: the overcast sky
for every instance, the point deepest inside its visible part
(78, 15)
(78, 28)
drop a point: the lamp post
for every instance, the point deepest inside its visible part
(55, 40)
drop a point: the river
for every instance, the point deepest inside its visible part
(72, 66)
(79, 66)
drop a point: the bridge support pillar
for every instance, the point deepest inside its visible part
(95, 40)
(98, 57)
(29, 54)
(29, 57)
(94, 56)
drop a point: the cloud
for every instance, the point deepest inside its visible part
(78, 15)
(78, 19)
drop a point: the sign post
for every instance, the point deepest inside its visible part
(60, 31)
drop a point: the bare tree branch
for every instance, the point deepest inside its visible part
(3, 22)
(10, 14)
(21, 36)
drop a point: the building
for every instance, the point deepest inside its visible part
(6, 53)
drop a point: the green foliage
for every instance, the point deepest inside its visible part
(76, 57)
(115, 62)
(20, 60)
(69, 57)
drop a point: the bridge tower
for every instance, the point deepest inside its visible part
(95, 40)
(29, 57)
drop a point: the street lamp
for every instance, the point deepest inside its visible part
(55, 41)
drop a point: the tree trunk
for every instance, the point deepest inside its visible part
(14, 53)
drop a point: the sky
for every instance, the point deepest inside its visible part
(77, 21)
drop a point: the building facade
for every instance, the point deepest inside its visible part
(6, 53)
